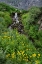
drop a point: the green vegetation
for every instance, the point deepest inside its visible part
(10, 9)
(18, 48)
(30, 21)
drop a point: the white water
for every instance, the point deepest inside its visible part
(16, 18)
(15, 15)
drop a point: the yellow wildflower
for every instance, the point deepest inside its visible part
(37, 62)
(19, 53)
(25, 60)
(13, 55)
(5, 36)
(22, 52)
(7, 55)
(38, 54)
(34, 55)
(30, 56)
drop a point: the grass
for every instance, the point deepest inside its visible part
(18, 48)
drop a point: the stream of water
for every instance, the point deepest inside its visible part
(16, 18)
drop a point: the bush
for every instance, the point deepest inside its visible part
(29, 21)
(38, 43)
(30, 18)
(5, 18)
(4, 7)
(2, 57)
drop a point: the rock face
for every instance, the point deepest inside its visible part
(23, 4)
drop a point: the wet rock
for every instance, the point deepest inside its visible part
(17, 23)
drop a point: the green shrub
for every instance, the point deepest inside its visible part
(31, 27)
(2, 57)
(5, 18)
(30, 18)
(4, 7)
(38, 42)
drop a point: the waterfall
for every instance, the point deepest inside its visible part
(16, 18)
(15, 15)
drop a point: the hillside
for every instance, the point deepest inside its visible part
(22, 43)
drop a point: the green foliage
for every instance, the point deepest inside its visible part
(2, 57)
(5, 18)
(38, 43)
(30, 18)
(4, 7)
(29, 21)
(31, 27)
(18, 48)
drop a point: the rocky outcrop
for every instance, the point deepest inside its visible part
(23, 4)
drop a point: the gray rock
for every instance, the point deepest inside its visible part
(23, 4)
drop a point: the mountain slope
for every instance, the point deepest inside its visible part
(23, 4)
(16, 48)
